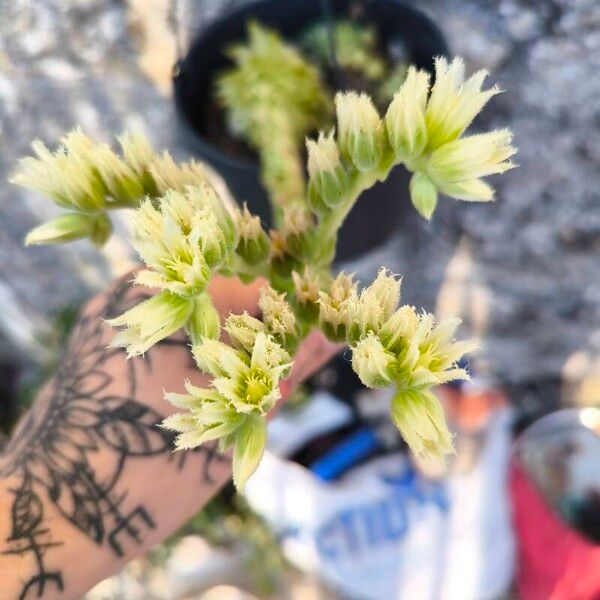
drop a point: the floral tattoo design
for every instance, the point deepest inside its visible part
(51, 456)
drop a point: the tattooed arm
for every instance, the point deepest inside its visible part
(89, 481)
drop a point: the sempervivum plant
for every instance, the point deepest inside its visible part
(185, 234)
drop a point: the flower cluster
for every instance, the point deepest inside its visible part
(244, 388)
(185, 234)
(183, 241)
(394, 345)
(425, 133)
(88, 179)
(422, 129)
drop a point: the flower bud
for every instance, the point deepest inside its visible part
(298, 227)
(121, 181)
(253, 245)
(243, 329)
(210, 237)
(327, 175)
(360, 131)
(101, 230)
(71, 226)
(420, 419)
(423, 194)
(306, 287)
(282, 261)
(307, 294)
(204, 320)
(372, 362)
(137, 151)
(218, 359)
(405, 117)
(215, 205)
(385, 289)
(277, 314)
(336, 306)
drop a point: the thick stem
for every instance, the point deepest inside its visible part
(329, 225)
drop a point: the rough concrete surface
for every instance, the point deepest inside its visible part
(524, 272)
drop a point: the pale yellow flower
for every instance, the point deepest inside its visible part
(66, 176)
(427, 353)
(81, 175)
(249, 383)
(245, 386)
(454, 102)
(209, 416)
(426, 135)
(374, 306)
(183, 239)
(456, 167)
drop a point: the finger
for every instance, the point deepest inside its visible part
(230, 295)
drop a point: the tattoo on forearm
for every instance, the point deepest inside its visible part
(52, 453)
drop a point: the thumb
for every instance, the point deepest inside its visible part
(314, 352)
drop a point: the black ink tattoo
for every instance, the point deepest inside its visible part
(51, 454)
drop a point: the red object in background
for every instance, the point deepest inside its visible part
(553, 562)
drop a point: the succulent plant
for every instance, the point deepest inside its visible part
(274, 98)
(186, 235)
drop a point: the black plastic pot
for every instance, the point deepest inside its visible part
(379, 212)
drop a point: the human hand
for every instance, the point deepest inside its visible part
(89, 473)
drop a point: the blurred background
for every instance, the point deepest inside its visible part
(523, 273)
